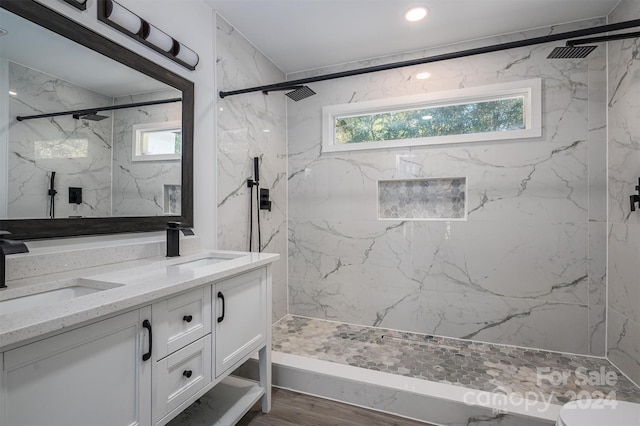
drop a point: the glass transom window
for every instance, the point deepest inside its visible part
(496, 112)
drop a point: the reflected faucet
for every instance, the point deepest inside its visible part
(8, 247)
(173, 237)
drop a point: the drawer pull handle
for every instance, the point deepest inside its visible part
(187, 318)
(221, 296)
(146, 324)
(187, 373)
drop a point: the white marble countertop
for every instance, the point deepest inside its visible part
(129, 285)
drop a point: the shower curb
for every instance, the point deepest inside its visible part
(436, 403)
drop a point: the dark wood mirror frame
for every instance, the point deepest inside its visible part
(28, 229)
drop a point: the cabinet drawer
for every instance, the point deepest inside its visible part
(180, 375)
(181, 320)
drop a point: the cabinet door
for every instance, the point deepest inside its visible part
(240, 317)
(93, 375)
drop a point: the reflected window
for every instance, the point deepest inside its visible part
(157, 141)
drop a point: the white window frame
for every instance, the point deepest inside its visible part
(139, 129)
(531, 89)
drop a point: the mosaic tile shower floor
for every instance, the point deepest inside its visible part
(475, 365)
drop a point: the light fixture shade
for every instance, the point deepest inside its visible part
(187, 55)
(123, 17)
(78, 4)
(159, 39)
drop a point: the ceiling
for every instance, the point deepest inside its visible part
(299, 35)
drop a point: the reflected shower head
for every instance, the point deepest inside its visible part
(298, 93)
(93, 116)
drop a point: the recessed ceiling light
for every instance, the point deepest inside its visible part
(13, 93)
(416, 13)
(423, 75)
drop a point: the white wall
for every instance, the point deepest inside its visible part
(192, 23)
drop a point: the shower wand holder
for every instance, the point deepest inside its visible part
(635, 198)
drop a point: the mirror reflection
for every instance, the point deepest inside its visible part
(101, 163)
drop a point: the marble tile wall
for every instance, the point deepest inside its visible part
(623, 325)
(138, 186)
(79, 151)
(251, 125)
(528, 265)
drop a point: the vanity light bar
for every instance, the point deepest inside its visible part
(122, 19)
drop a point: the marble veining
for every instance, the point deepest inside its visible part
(532, 251)
(436, 198)
(79, 151)
(623, 233)
(248, 126)
(139, 186)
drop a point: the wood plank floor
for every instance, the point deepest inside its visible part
(295, 409)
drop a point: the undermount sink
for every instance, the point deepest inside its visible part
(71, 289)
(205, 261)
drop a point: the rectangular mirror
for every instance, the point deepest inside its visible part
(94, 138)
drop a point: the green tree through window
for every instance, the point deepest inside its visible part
(466, 118)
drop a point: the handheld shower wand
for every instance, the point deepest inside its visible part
(251, 183)
(52, 193)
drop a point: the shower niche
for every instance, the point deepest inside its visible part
(423, 199)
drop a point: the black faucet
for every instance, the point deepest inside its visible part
(173, 237)
(8, 247)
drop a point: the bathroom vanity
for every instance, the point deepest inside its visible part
(136, 342)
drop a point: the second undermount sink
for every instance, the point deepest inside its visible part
(204, 261)
(70, 289)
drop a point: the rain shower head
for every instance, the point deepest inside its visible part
(298, 93)
(571, 52)
(93, 116)
(577, 49)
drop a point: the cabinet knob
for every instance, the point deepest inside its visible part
(187, 318)
(187, 373)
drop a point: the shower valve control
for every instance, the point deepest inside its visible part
(75, 195)
(265, 204)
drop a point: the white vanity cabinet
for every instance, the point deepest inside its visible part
(146, 366)
(93, 375)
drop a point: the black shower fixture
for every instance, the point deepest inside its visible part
(300, 93)
(297, 93)
(93, 116)
(571, 52)
(575, 49)
(92, 113)
(551, 38)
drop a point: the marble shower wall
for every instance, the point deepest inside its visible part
(251, 125)
(528, 265)
(623, 342)
(138, 186)
(79, 151)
